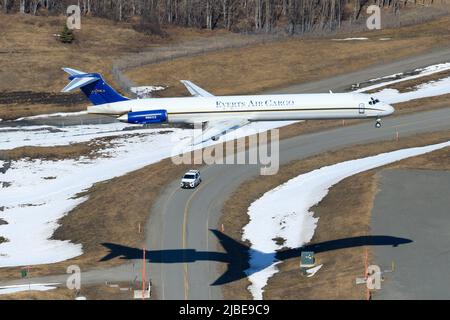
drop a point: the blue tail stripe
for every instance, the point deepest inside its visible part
(99, 92)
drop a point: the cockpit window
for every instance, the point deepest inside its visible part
(373, 101)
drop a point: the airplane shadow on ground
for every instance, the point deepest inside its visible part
(238, 255)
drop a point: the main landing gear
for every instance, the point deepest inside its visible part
(378, 123)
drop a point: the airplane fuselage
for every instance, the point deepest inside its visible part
(253, 107)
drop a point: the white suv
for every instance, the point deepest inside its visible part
(191, 179)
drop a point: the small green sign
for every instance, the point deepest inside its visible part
(24, 273)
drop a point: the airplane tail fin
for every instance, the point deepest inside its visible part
(93, 86)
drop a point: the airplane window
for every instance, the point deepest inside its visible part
(373, 101)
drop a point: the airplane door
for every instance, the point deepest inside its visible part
(362, 108)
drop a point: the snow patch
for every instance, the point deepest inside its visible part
(426, 90)
(28, 287)
(420, 72)
(351, 39)
(286, 211)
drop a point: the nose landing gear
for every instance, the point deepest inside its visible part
(378, 123)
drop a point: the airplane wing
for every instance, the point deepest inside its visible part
(195, 90)
(216, 128)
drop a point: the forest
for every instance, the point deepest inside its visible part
(245, 16)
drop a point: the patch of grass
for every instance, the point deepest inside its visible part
(422, 104)
(48, 153)
(257, 68)
(3, 239)
(29, 49)
(15, 111)
(345, 212)
(410, 85)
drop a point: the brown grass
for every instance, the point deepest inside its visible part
(345, 212)
(48, 153)
(272, 65)
(422, 104)
(29, 50)
(15, 111)
(409, 85)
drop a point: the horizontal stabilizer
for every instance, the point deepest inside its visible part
(78, 83)
(195, 90)
(73, 72)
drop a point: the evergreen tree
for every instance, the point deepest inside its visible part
(66, 36)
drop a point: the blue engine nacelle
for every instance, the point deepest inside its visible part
(150, 116)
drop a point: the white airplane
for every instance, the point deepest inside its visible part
(222, 114)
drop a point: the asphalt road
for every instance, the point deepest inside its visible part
(180, 219)
(414, 204)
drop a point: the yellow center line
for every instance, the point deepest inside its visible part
(162, 238)
(185, 216)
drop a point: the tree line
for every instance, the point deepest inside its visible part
(295, 16)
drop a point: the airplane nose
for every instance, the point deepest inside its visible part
(388, 110)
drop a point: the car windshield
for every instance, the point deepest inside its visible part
(189, 176)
